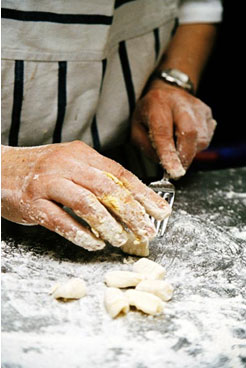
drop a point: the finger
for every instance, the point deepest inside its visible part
(202, 136)
(85, 205)
(207, 126)
(54, 218)
(115, 196)
(152, 202)
(211, 123)
(205, 132)
(139, 131)
(140, 138)
(161, 133)
(187, 136)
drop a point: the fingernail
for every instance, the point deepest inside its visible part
(155, 205)
(177, 173)
(85, 240)
(117, 239)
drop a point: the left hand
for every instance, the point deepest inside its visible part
(172, 126)
(38, 182)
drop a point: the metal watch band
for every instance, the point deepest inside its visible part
(177, 78)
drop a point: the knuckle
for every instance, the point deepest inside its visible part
(116, 169)
(208, 111)
(155, 94)
(121, 172)
(33, 188)
(203, 109)
(76, 143)
(202, 144)
(189, 129)
(192, 131)
(161, 135)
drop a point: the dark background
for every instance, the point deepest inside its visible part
(223, 88)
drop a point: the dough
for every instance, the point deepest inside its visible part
(150, 269)
(146, 302)
(160, 288)
(150, 294)
(115, 302)
(122, 279)
(72, 289)
(136, 247)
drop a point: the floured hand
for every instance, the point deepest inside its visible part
(38, 181)
(171, 126)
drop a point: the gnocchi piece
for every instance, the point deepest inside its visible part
(115, 302)
(146, 302)
(72, 289)
(160, 288)
(136, 247)
(150, 269)
(122, 279)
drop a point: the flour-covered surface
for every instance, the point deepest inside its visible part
(204, 325)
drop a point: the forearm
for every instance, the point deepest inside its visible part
(190, 49)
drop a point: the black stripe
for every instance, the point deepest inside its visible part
(95, 134)
(17, 103)
(61, 101)
(33, 16)
(127, 76)
(157, 43)
(104, 64)
(176, 24)
(94, 129)
(119, 3)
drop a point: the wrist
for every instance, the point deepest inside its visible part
(175, 77)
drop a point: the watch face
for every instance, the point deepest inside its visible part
(178, 78)
(179, 75)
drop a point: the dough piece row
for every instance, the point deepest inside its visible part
(117, 302)
(150, 294)
(147, 297)
(142, 269)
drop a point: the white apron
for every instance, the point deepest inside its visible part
(75, 69)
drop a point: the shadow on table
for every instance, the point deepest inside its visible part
(41, 241)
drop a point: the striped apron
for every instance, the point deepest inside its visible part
(75, 69)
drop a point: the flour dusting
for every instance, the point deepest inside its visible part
(204, 253)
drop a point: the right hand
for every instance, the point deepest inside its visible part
(171, 125)
(38, 181)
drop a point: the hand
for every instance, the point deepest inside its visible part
(38, 181)
(171, 125)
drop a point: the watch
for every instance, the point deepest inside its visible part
(177, 78)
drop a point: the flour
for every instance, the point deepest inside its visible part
(204, 267)
(203, 325)
(233, 195)
(238, 233)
